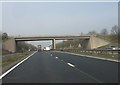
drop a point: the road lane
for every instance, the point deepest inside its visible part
(43, 67)
(105, 71)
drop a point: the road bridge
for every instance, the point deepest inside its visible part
(90, 42)
(51, 37)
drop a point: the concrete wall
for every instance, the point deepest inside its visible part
(95, 42)
(9, 45)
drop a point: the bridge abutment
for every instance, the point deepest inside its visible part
(10, 45)
(95, 42)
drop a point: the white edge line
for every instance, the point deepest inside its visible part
(91, 56)
(16, 65)
(61, 60)
(62, 1)
(71, 65)
(100, 58)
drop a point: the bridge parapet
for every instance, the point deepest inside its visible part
(50, 38)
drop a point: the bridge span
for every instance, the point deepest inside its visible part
(50, 38)
(90, 42)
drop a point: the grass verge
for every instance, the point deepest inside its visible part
(108, 56)
(11, 60)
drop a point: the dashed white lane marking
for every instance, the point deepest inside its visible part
(90, 56)
(81, 71)
(15, 66)
(50, 54)
(56, 57)
(71, 65)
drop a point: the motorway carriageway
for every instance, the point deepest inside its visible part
(57, 67)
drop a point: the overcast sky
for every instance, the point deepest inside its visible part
(47, 18)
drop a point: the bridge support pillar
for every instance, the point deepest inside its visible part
(53, 44)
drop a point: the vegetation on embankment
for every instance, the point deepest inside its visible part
(112, 37)
(108, 56)
(73, 46)
(101, 55)
(11, 59)
(5, 52)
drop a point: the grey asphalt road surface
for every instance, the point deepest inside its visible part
(103, 70)
(55, 67)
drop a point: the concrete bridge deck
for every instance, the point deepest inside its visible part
(50, 38)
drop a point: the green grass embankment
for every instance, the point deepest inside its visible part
(108, 56)
(11, 59)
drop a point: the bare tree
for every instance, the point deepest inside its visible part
(92, 33)
(114, 30)
(4, 36)
(104, 31)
